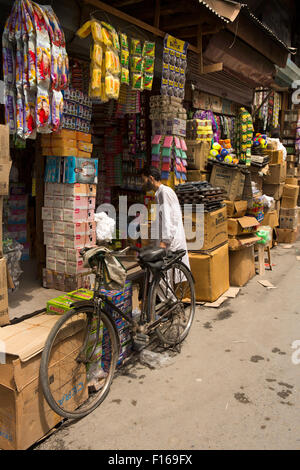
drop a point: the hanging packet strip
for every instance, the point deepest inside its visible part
(30, 116)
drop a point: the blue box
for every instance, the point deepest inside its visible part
(80, 170)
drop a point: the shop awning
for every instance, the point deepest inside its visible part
(287, 75)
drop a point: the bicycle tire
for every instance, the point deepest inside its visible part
(152, 306)
(89, 405)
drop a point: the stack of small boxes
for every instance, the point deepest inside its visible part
(67, 143)
(17, 218)
(168, 115)
(68, 220)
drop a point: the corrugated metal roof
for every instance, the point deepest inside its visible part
(213, 11)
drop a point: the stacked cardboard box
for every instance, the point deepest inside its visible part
(5, 164)
(168, 116)
(22, 403)
(68, 223)
(287, 232)
(67, 143)
(242, 239)
(274, 181)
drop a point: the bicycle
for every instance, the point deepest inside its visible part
(168, 308)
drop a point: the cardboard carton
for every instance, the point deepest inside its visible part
(286, 235)
(211, 273)
(290, 196)
(197, 155)
(242, 241)
(4, 317)
(241, 266)
(25, 416)
(231, 180)
(242, 225)
(65, 134)
(270, 219)
(84, 147)
(276, 156)
(4, 177)
(292, 181)
(83, 137)
(215, 230)
(4, 144)
(277, 174)
(236, 208)
(1, 213)
(273, 190)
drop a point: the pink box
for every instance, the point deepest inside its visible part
(91, 203)
(51, 263)
(74, 255)
(77, 189)
(48, 201)
(59, 227)
(49, 239)
(74, 267)
(47, 213)
(91, 215)
(72, 229)
(58, 189)
(49, 189)
(61, 253)
(48, 226)
(77, 241)
(76, 202)
(58, 202)
(75, 215)
(61, 265)
(58, 214)
(51, 252)
(91, 227)
(90, 239)
(59, 240)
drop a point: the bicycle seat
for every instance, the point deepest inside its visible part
(150, 255)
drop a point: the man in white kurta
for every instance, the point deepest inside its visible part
(170, 230)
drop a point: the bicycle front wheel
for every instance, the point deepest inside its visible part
(78, 362)
(172, 297)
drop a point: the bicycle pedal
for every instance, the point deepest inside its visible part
(140, 341)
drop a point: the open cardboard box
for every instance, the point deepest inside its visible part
(25, 416)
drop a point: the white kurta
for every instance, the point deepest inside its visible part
(169, 217)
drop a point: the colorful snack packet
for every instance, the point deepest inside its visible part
(148, 65)
(149, 49)
(125, 76)
(30, 115)
(97, 54)
(137, 64)
(137, 81)
(148, 81)
(10, 107)
(125, 58)
(20, 115)
(96, 30)
(57, 106)
(43, 117)
(123, 41)
(136, 47)
(85, 30)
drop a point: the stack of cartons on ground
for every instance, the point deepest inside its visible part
(288, 220)
(25, 416)
(208, 254)
(68, 223)
(5, 164)
(274, 181)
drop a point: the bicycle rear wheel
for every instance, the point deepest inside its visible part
(77, 365)
(173, 292)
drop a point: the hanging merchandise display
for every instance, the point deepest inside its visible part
(244, 136)
(174, 67)
(35, 69)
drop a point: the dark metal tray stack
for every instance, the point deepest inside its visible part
(200, 193)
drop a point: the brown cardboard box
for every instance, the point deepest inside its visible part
(1, 234)
(242, 241)
(211, 273)
(83, 137)
(4, 144)
(285, 235)
(273, 190)
(270, 219)
(215, 231)
(236, 208)
(25, 416)
(4, 178)
(242, 225)
(229, 179)
(197, 154)
(277, 207)
(290, 196)
(241, 266)
(4, 317)
(197, 175)
(276, 156)
(292, 181)
(277, 174)
(289, 218)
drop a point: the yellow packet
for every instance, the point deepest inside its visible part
(117, 65)
(96, 78)
(97, 54)
(85, 30)
(96, 93)
(109, 60)
(96, 30)
(106, 37)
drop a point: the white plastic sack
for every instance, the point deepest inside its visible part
(105, 227)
